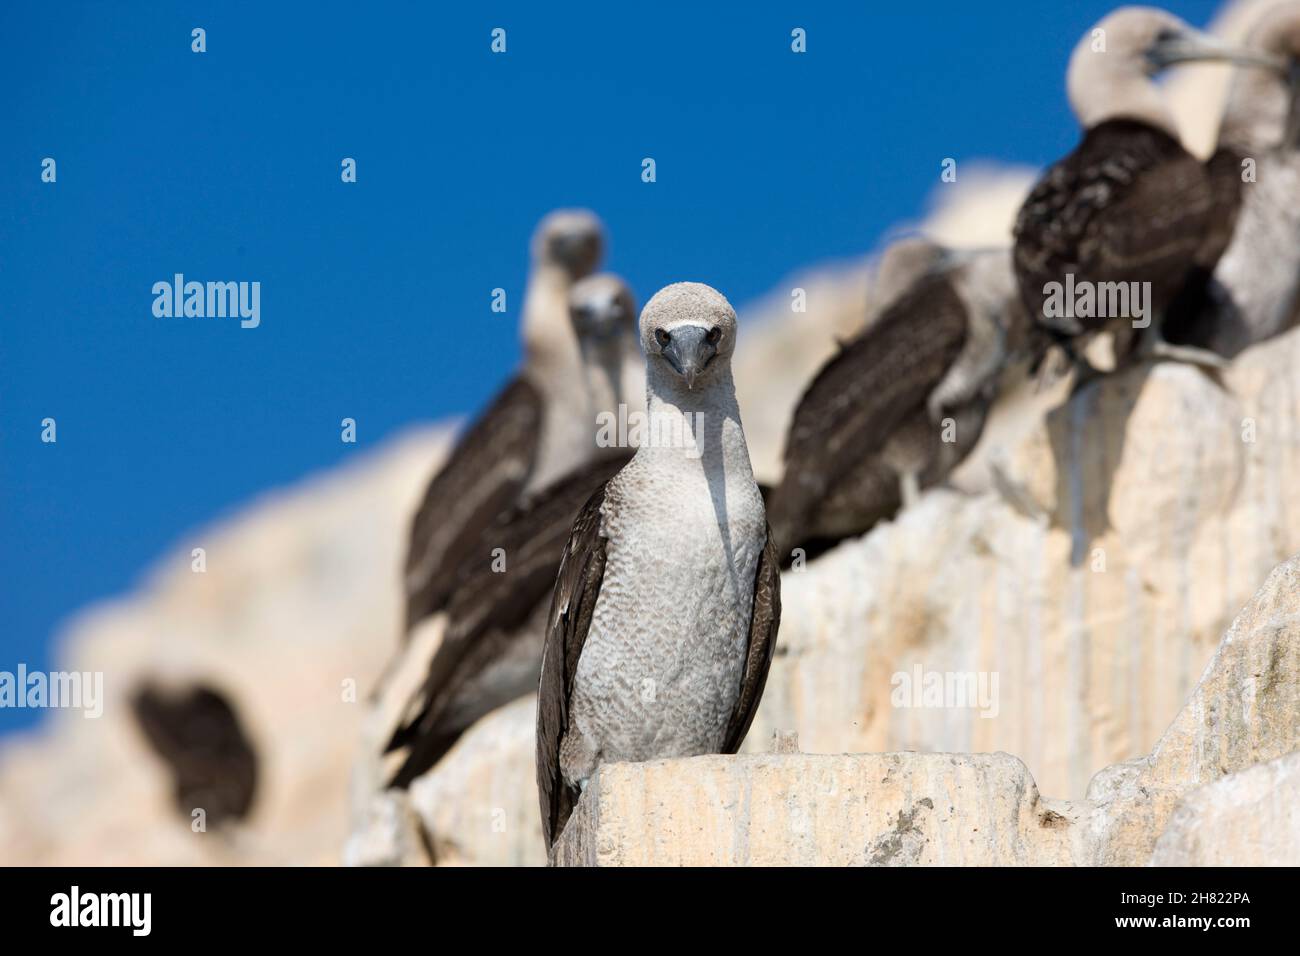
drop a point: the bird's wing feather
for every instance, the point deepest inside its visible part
(858, 397)
(484, 475)
(1195, 313)
(532, 536)
(573, 601)
(764, 621)
(1129, 204)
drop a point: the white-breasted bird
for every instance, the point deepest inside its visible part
(665, 611)
(1253, 292)
(490, 647)
(536, 429)
(1112, 232)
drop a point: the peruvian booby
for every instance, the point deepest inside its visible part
(665, 611)
(1252, 294)
(196, 733)
(903, 402)
(1112, 232)
(495, 613)
(536, 428)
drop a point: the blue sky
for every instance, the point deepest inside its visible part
(376, 295)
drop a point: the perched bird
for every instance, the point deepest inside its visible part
(535, 430)
(1251, 294)
(665, 610)
(903, 402)
(1111, 233)
(196, 733)
(491, 645)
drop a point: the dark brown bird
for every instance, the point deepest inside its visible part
(491, 648)
(1113, 232)
(905, 400)
(495, 599)
(534, 431)
(197, 734)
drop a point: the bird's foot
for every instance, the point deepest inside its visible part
(1190, 354)
(909, 488)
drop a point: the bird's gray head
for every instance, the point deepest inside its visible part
(1112, 68)
(689, 330)
(571, 239)
(601, 309)
(1263, 108)
(903, 263)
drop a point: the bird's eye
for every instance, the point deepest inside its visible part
(662, 337)
(715, 334)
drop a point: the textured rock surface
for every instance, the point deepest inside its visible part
(1245, 711)
(804, 809)
(1093, 594)
(985, 809)
(1242, 820)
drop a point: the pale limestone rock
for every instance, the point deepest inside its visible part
(817, 810)
(982, 809)
(1143, 517)
(1245, 711)
(479, 804)
(389, 834)
(1250, 818)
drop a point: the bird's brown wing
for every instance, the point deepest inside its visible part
(851, 406)
(764, 621)
(577, 588)
(484, 475)
(488, 599)
(1194, 314)
(1129, 204)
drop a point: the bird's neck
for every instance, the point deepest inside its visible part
(1261, 114)
(632, 382)
(1102, 89)
(549, 343)
(603, 368)
(687, 428)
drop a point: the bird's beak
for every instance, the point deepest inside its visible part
(688, 351)
(1190, 46)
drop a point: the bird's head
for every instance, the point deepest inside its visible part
(572, 240)
(903, 263)
(602, 310)
(1263, 109)
(689, 330)
(1111, 69)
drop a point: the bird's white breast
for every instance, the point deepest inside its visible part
(660, 670)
